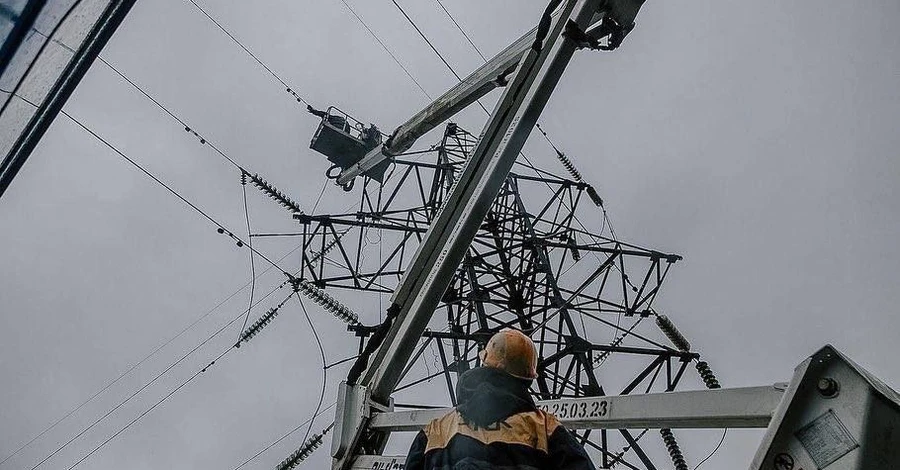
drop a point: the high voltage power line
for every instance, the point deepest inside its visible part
(287, 87)
(231, 161)
(329, 302)
(142, 361)
(461, 30)
(386, 49)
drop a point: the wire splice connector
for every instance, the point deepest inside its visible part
(674, 449)
(301, 454)
(322, 298)
(675, 336)
(274, 193)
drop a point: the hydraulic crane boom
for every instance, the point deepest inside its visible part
(613, 22)
(832, 414)
(448, 238)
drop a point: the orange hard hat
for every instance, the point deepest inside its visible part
(512, 351)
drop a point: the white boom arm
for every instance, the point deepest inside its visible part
(494, 73)
(833, 415)
(453, 229)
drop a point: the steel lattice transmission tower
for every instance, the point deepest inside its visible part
(583, 297)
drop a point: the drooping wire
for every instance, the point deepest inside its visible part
(386, 49)
(262, 64)
(724, 432)
(250, 245)
(324, 363)
(318, 199)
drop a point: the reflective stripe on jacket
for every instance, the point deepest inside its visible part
(530, 440)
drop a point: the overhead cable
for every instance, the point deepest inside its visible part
(318, 339)
(250, 244)
(386, 49)
(721, 440)
(142, 388)
(148, 410)
(461, 30)
(169, 188)
(262, 64)
(560, 155)
(145, 358)
(309, 446)
(427, 41)
(283, 437)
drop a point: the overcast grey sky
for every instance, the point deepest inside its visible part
(757, 139)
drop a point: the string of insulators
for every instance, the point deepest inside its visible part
(675, 336)
(707, 375)
(328, 246)
(616, 343)
(274, 193)
(569, 166)
(301, 454)
(674, 449)
(260, 323)
(328, 302)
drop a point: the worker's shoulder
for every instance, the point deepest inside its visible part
(535, 418)
(532, 428)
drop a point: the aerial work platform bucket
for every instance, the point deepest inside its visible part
(345, 141)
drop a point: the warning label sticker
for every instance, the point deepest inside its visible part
(826, 439)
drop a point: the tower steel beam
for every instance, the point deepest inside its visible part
(454, 228)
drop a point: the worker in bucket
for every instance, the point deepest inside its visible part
(496, 424)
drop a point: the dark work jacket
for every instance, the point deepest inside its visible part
(495, 426)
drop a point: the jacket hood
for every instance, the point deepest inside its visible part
(487, 395)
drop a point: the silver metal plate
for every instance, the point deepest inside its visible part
(826, 439)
